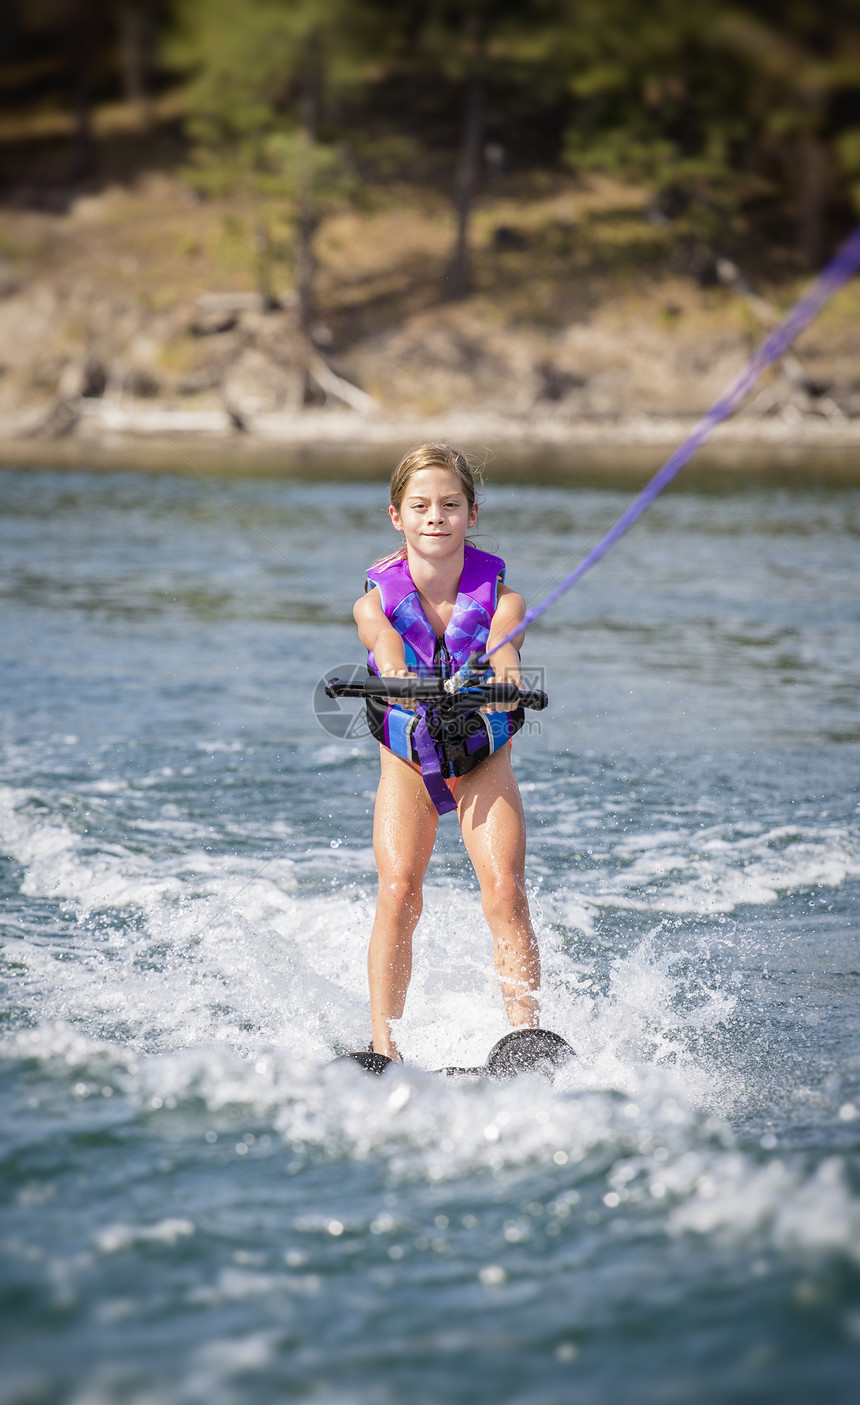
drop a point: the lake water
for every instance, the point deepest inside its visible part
(196, 1209)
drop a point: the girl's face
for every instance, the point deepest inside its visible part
(434, 514)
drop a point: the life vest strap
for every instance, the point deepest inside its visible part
(431, 767)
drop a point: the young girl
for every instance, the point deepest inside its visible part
(426, 608)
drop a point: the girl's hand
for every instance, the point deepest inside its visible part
(408, 704)
(507, 675)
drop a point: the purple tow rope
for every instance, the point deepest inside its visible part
(841, 268)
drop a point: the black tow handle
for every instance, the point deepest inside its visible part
(430, 690)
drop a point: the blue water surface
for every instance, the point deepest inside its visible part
(196, 1207)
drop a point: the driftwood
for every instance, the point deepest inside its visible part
(55, 422)
(334, 385)
(805, 395)
(155, 419)
(241, 302)
(220, 312)
(68, 414)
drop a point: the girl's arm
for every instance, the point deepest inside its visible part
(505, 663)
(378, 635)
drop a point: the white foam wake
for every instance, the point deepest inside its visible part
(227, 950)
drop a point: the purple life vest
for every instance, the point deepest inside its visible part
(469, 626)
(441, 749)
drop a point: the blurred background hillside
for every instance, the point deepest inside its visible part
(568, 209)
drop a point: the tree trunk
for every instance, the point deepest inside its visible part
(457, 276)
(307, 220)
(812, 175)
(82, 45)
(812, 193)
(136, 30)
(263, 251)
(306, 264)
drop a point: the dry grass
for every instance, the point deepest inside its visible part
(578, 308)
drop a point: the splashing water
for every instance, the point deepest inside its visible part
(198, 1207)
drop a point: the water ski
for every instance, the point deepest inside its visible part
(528, 1050)
(370, 1062)
(378, 1064)
(521, 1051)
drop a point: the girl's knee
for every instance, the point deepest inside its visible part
(503, 897)
(400, 894)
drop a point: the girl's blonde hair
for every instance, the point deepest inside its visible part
(429, 456)
(433, 456)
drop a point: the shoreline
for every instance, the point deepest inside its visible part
(164, 440)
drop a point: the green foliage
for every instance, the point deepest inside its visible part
(722, 108)
(276, 165)
(267, 77)
(848, 155)
(739, 115)
(263, 73)
(246, 57)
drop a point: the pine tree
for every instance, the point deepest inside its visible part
(267, 75)
(479, 45)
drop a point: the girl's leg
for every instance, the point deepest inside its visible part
(404, 832)
(494, 832)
